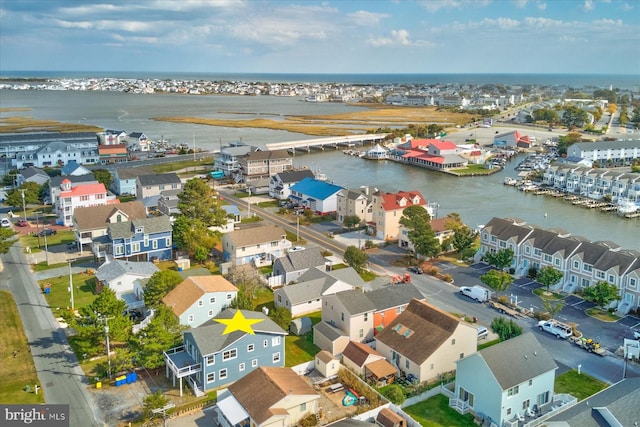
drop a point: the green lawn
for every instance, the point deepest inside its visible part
(435, 412)
(474, 170)
(603, 315)
(544, 294)
(488, 344)
(180, 164)
(299, 349)
(578, 385)
(16, 372)
(56, 239)
(269, 204)
(60, 297)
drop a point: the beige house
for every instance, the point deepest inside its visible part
(355, 203)
(351, 312)
(387, 211)
(425, 341)
(439, 227)
(259, 245)
(259, 165)
(267, 396)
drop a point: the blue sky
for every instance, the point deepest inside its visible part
(250, 36)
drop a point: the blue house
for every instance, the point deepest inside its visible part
(124, 180)
(319, 196)
(210, 359)
(144, 239)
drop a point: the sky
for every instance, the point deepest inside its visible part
(373, 37)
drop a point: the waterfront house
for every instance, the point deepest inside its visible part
(154, 184)
(110, 154)
(433, 154)
(123, 278)
(507, 381)
(261, 165)
(124, 180)
(227, 160)
(112, 137)
(620, 153)
(267, 397)
(209, 358)
(280, 183)
(75, 180)
(72, 197)
(32, 174)
(439, 227)
(259, 245)
(355, 203)
(593, 182)
(293, 264)
(319, 196)
(425, 341)
(72, 168)
(57, 154)
(138, 141)
(197, 299)
(305, 296)
(147, 239)
(387, 210)
(92, 222)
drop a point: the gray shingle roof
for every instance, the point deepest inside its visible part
(295, 176)
(525, 357)
(124, 230)
(355, 302)
(159, 179)
(299, 260)
(394, 296)
(210, 339)
(253, 235)
(314, 283)
(328, 331)
(75, 179)
(114, 269)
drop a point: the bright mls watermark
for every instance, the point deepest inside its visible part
(34, 415)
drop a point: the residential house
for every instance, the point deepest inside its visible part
(73, 197)
(75, 180)
(267, 397)
(32, 174)
(200, 298)
(440, 230)
(110, 154)
(356, 356)
(124, 180)
(154, 184)
(72, 168)
(319, 196)
(387, 211)
(260, 245)
(227, 160)
(292, 265)
(621, 152)
(234, 216)
(138, 141)
(351, 312)
(147, 239)
(210, 358)
(261, 165)
(112, 137)
(92, 222)
(123, 278)
(390, 302)
(425, 341)
(168, 202)
(306, 295)
(58, 153)
(483, 385)
(280, 183)
(355, 203)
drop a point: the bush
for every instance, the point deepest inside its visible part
(309, 421)
(395, 394)
(532, 273)
(447, 278)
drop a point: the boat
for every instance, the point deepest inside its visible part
(626, 207)
(510, 181)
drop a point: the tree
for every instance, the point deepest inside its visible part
(395, 394)
(501, 259)
(6, 239)
(355, 258)
(417, 221)
(242, 301)
(463, 239)
(566, 140)
(602, 293)
(548, 276)
(162, 333)
(545, 115)
(281, 316)
(31, 195)
(108, 309)
(246, 278)
(552, 307)
(351, 221)
(574, 117)
(506, 329)
(497, 280)
(159, 285)
(103, 176)
(153, 401)
(200, 202)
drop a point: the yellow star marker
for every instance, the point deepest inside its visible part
(238, 323)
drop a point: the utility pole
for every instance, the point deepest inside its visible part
(106, 332)
(297, 226)
(46, 252)
(71, 288)
(163, 411)
(24, 206)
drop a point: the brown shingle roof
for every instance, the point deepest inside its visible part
(192, 288)
(358, 352)
(381, 368)
(387, 418)
(264, 387)
(95, 217)
(418, 331)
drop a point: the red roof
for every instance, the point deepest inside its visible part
(445, 145)
(391, 201)
(84, 190)
(112, 149)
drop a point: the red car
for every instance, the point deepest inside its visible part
(22, 223)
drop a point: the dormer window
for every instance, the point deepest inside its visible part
(139, 229)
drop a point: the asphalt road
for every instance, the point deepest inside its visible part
(59, 372)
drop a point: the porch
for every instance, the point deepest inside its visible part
(181, 365)
(537, 415)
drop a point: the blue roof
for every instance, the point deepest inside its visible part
(317, 189)
(71, 166)
(231, 209)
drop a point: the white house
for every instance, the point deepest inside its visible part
(319, 196)
(80, 196)
(122, 277)
(258, 244)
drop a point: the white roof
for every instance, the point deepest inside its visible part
(232, 410)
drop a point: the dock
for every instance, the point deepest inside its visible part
(335, 142)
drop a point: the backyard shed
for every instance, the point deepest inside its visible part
(300, 326)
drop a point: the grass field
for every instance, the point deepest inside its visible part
(60, 297)
(56, 239)
(578, 385)
(435, 412)
(19, 124)
(16, 372)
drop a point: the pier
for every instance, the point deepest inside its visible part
(335, 142)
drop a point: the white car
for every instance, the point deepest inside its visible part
(296, 249)
(4, 222)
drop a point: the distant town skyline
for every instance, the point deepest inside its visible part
(243, 36)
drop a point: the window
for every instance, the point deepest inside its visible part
(342, 316)
(453, 341)
(587, 268)
(546, 258)
(303, 407)
(527, 250)
(632, 282)
(361, 333)
(211, 359)
(222, 374)
(576, 264)
(229, 354)
(254, 363)
(211, 377)
(265, 343)
(190, 319)
(250, 348)
(118, 250)
(508, 411)
(275, 341)
(154, 244)
(212, 300)
(502, 244)
(229, 296)
(200, 303)
(530, 382)
(276, 357)
(366, 317)
(139, 230)
(537, 252)
(513, 391)
(461, 355)
(241, 367)
(210, 313)
(612, 279)
(600, 274)
(407, 363)
(135, 247)
(280, 298)
(167, 242)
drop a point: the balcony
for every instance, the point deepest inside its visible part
(180, 362)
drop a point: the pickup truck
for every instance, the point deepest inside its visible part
(554, 327)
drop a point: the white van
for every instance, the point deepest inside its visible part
(4, 222)
(482, 332)
(477, 293)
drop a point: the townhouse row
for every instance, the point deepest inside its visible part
(589, 181)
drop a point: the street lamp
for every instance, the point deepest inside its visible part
(24, 206)
(71, 288)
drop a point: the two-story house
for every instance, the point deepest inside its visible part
(425, 341)
(32, 174)
(92, 222)
(294, 264)
(319, 196)
(211, 358)
(267, 397)
(55, 186)
(80, 196)
(153, 185)
(121, 277)
(387, 211)
(355, 203)
(199, 298)
(260, 245)
(506, 380)
(124, 180)
(280, 183)
(145, 239)
(227, 160)
(261, 165)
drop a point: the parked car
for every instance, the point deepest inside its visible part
(296, 249)
(47, 232)
(483, 332)
(4, 222)
(22, 223)
(415, 269)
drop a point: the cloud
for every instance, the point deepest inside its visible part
(627, 7)
(366, 19)
(520, 4)
(395, 38)
(541, 6)
(589, 5)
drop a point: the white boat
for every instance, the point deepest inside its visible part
(627, 207)
(510, 181)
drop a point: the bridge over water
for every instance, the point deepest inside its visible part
(332, 142)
